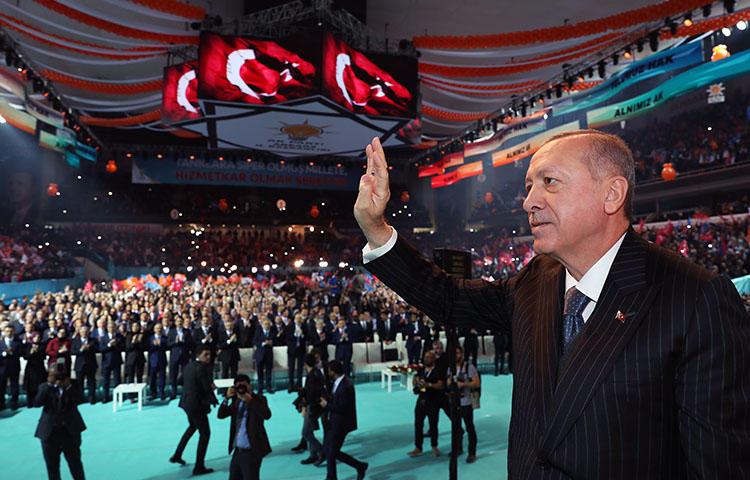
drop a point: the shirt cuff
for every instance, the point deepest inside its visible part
(369, 255)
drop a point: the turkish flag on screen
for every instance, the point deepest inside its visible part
(260, 72)
(354, 81)
(180, 95)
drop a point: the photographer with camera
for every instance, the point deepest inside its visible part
(308, 404)
(429, 385)
(60, 425)
(248, 441)
(468, 383)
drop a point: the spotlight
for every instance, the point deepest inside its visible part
(742, 25)
(688, 21)
(615, 59)
(639, 45)
(653, 41)
(590, 72)
(558, 90)
(726, 31)
(602, 69)
(729, 6)
(628, 53)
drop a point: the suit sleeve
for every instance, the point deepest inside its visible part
(225, 410)
(472, 303)
(263, 410)
(713, 385)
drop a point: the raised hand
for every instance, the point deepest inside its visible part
(374, 193)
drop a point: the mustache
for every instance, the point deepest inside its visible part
(535, 219)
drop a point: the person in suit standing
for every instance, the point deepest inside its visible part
(343, 342)
(157, 362)
(313, 391)
(248, 441)
(135, 345)
(58, 348)
(264, 355)
(60, 425)
(229, 349)
(110, 345)
(342, 420)
(84, 348)
(10, 366)
(415, 333)
(205, 335)
(606, 328)
(320, 337)
(296, 347)
(196, 400)
(429, 386)
(364, 328)
(34, 374)
(179, 343)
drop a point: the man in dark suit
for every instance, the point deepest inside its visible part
(157, 362)
(248, 441)
(205, 335)
(344, 349)
(111, 345)
(320, 337)
(387, 328)
(313, 391)
(84, 349)
(296, 347)
(629, 361)
(197, 398)
(60, 425)
(10, 366)
(342, 419)
(264, 355)
(415, 332)
(229, 349)
(179, 342)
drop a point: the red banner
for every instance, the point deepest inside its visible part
(180, 95)
(465, 171)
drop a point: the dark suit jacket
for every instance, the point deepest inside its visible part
(198, 337)
(10, 358)
(257, 413)
(342, 409)
(295, 345)
(314, 390)
(387, 334)
(134, 350)
(157, 354)
(343, 343)
(197, 394)
(85, 359)
(57, 411)
(659, 391)
(179, 351)
(229, 352)
(263, 353)
(111, 355)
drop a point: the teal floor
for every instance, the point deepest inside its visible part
(136, 445)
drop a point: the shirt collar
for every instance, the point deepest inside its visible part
(336, 383)
(592, 282)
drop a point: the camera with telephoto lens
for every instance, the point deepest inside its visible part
(241, 389)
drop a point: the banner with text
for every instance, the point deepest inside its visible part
(254, 174)
(531, 145)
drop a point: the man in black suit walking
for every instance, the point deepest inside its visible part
(248, 441)
(629, 361)
(342, 419)
(60, 425)
(197, 398)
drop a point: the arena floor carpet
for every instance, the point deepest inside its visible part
(136, 445)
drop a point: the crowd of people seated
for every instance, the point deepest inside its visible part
(21, 260)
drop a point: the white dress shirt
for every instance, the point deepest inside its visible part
(336, 383)
(591, 284)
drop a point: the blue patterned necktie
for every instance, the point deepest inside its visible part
(575, 303)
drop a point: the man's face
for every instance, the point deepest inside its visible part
(429, 359)
(8, 332)
(565, 204)
(438, 348)
(157, 329)
(205, 356)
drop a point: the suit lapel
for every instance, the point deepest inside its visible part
(546, 321)
(603, 338)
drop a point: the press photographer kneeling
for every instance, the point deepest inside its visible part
(247, 434)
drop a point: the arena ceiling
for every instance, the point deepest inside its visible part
(105, 57)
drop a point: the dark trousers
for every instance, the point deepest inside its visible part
(197, 421)
(296, 362)
(345, 357)
(308, 435)
(109, 372)
(333, 443)
(61, 441)
(245, 465)
(414, 352)
(89, 376)
(431, 411)
(134, 374)
(157, 378)
(228, 369)
(174, 372)
(12, 378)
(265, 369)
(467, 413)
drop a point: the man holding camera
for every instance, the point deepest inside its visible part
(60, 425)
(429, 385)
(248, 441)
(197, 398)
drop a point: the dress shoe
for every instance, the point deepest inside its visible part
(300, 448)
(320, 461)
(361, 471)
(202, 471)
(471, 459)
(310, 460)
(415, 453)
(436, 452)
(175, 459)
